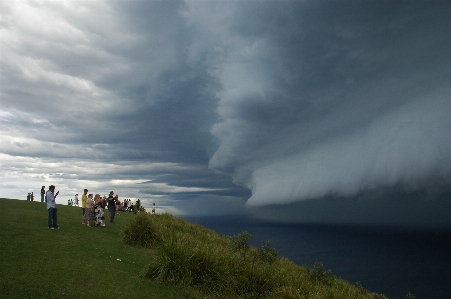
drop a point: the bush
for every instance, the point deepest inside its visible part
(187, 261)
(410, 296)
(318, 274)
(182, 265)
(240, 243)
(140, 232)
(266, 253)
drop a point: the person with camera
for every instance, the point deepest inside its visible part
(50, 197)
(111, 206)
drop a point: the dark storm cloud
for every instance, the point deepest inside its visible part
(108, 87)
(145, 89)
(339, 98)
(216, 102)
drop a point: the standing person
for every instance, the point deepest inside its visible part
(28, 196)
(84, 198)
(111, 206)
(32, 196)
(130, 205)
(137, 206)
(98, 211)
(50, 197)
(76, 200)
(88, 210)
(42, 193)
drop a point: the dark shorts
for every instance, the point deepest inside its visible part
(83, 210)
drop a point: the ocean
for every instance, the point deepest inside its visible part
(385, 260)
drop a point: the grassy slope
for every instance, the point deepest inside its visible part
(78, 261)
(191, 256)
(73, 262)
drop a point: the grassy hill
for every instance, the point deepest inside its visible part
(73, 262)
(166, 257)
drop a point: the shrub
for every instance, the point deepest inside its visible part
(410, 296)
(266, 253)
(180, 264)
(318, 274)
(191, 263)
(240, 243)
(140, 232)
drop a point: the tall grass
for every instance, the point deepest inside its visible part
(190, 256)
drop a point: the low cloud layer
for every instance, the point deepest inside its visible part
(208, 107)
(404, 146)
(352, 103)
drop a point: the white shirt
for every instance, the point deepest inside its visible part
(89, 203)
(50, 200)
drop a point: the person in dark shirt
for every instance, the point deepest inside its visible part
(112, 206)
(42, 193)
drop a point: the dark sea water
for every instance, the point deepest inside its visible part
(385, 260)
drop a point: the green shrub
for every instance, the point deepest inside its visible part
(318, 274)
(410, 296)
(266, 253)
(251, 281)
(183, 265)
(189, 262)
(240, 243)
(140, 232)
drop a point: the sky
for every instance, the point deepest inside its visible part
(303, 111)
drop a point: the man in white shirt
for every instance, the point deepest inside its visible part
(51, 207)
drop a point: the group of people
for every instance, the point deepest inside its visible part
(128, 206)
(92, 207)
(30, 196)
(73, 202)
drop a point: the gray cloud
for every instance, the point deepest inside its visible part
(217, 103)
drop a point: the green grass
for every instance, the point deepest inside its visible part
(73, 262)
(145, 256)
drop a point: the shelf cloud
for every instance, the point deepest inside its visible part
(292, 110)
